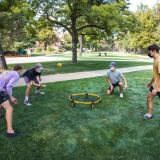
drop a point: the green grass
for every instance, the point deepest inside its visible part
(68, 67)
(114, 130)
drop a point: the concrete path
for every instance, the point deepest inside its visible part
(86, 74)
(38, 59)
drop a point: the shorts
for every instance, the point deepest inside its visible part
(151, 89)
(4, 97)
(114, 85)
(27, 80)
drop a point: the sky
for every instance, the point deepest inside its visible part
(134, 3)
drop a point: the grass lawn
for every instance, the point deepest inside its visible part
(114, 130)
(50, 67)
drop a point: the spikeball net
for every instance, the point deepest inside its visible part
(84, 98)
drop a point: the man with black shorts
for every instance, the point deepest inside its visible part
(33, 77)
(154, 84)
(7, 82)
(114, 78)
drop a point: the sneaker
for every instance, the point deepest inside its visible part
(121, 95)
(148, 116)
(39, 93)
(15, 134)
(27, 103)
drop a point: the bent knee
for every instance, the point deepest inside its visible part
(29, 85)
(120, 84)
(7, 106)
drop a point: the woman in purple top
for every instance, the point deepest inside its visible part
(7, 82)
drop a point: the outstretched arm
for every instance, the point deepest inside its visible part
(125, 82)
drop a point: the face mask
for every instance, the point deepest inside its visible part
(112, 68)
(39, 70)
(149, 55)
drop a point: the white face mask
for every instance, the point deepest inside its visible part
(112, 68)
(39, 70)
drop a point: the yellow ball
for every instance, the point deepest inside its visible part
(59, 65)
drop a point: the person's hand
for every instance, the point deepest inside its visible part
(149, 85)
(154, 92)
(14, 100)
(43, 85)
(126, 86)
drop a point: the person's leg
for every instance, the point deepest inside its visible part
(110, 90)
(120, 85)
(28, 88)
(27, 93)
(9, 113)
(150, 97)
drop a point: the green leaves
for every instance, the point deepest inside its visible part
(146, 30)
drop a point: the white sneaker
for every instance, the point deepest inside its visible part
(39, 93)
(27, 103)
(148, 116)
(121, 95)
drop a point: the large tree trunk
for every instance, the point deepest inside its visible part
(74, 41)
(3, 64)
(74, 49)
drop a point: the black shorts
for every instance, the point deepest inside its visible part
(3, 97)
(151, 89)
(114, 85)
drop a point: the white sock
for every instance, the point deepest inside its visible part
(26, 98)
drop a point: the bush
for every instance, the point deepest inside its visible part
(37, 50)
(50, 49)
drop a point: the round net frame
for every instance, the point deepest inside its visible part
(84, 98)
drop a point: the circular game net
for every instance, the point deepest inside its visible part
(84, 98)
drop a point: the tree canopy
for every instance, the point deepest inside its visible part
(77, 16)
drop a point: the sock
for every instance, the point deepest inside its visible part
(26, 98)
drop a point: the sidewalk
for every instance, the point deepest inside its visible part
(83, 75)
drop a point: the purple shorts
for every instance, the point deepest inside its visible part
(27, 80)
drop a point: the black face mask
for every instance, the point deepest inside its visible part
(149, 55)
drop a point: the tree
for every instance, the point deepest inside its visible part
(47, 36)
(146, 31)
(15, 17)
(5, 6)
(77, 15)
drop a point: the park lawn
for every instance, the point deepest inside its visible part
(114, 130)
(109, 55)
(68, 67)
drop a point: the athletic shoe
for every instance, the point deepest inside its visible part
(27, 103)
(15, 134)
(148, 116)
(39, 93)
(121, 95)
